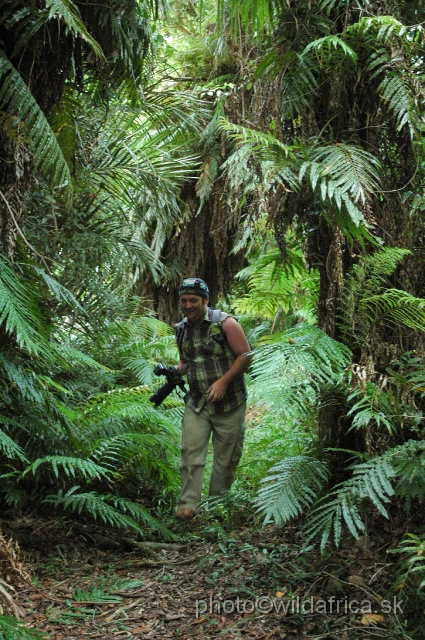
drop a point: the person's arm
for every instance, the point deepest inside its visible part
(240, 347)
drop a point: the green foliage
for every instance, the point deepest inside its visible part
(29, 123)
(339, 175)
(289, 486)
(413, 550)
(299, 364)
(274, 287)
(64, 428)
(400, 471)
(113, 510)
(68, 11)
(20, 309)
(12, 629)
(370, 480)
(371, 403)
(368, 302)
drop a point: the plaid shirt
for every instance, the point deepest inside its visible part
(208, 356)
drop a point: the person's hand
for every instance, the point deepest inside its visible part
(216, 390)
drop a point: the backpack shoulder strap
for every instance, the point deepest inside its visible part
(216, 316)
(179, 329)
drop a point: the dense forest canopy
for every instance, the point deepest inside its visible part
(274, 149)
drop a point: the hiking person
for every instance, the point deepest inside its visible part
(214, 354)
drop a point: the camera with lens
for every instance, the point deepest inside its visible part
(174, 380)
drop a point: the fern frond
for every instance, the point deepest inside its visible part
(328, 45)
(73, 358)
(300, 362)
(72, 467)
(19, 310)
(400, 99)
(12, 629)
(273, 286)
(299, 85)
(409, 464)
(148, 452)
(361, 304)
(414, 548)
(275, 158)
(8, 446)
(17, 101)
(398, 307)
(370, 480)
(383, 27)
(60, 292)
(371, 404)
(342, 169)
(110, 509)
(289, 486)
(67, 11)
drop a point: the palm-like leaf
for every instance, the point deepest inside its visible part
(29, 123)
(289, 486)
(342, 169)
(110, 509)
(8, 446)
(68, 11)
(291, 373)
(272, 286)
(20, 310)
(370, 480)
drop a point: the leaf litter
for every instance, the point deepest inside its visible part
(73, 579)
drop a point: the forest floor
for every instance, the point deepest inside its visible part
(249, 583)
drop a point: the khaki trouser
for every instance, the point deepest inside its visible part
(228, 431)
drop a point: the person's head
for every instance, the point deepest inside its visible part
(194, 298)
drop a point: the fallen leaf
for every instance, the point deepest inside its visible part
(356, 580)
(222, 622)
(279, 594)
(371, 618)
(141, 630)
(199, 620)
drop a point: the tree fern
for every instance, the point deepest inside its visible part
(29, 122)
(289, 486)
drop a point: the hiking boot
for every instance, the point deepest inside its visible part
(185, 514)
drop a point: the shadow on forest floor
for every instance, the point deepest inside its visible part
(92, 582)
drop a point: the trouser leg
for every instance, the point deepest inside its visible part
(228, 437)
(196, 433)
